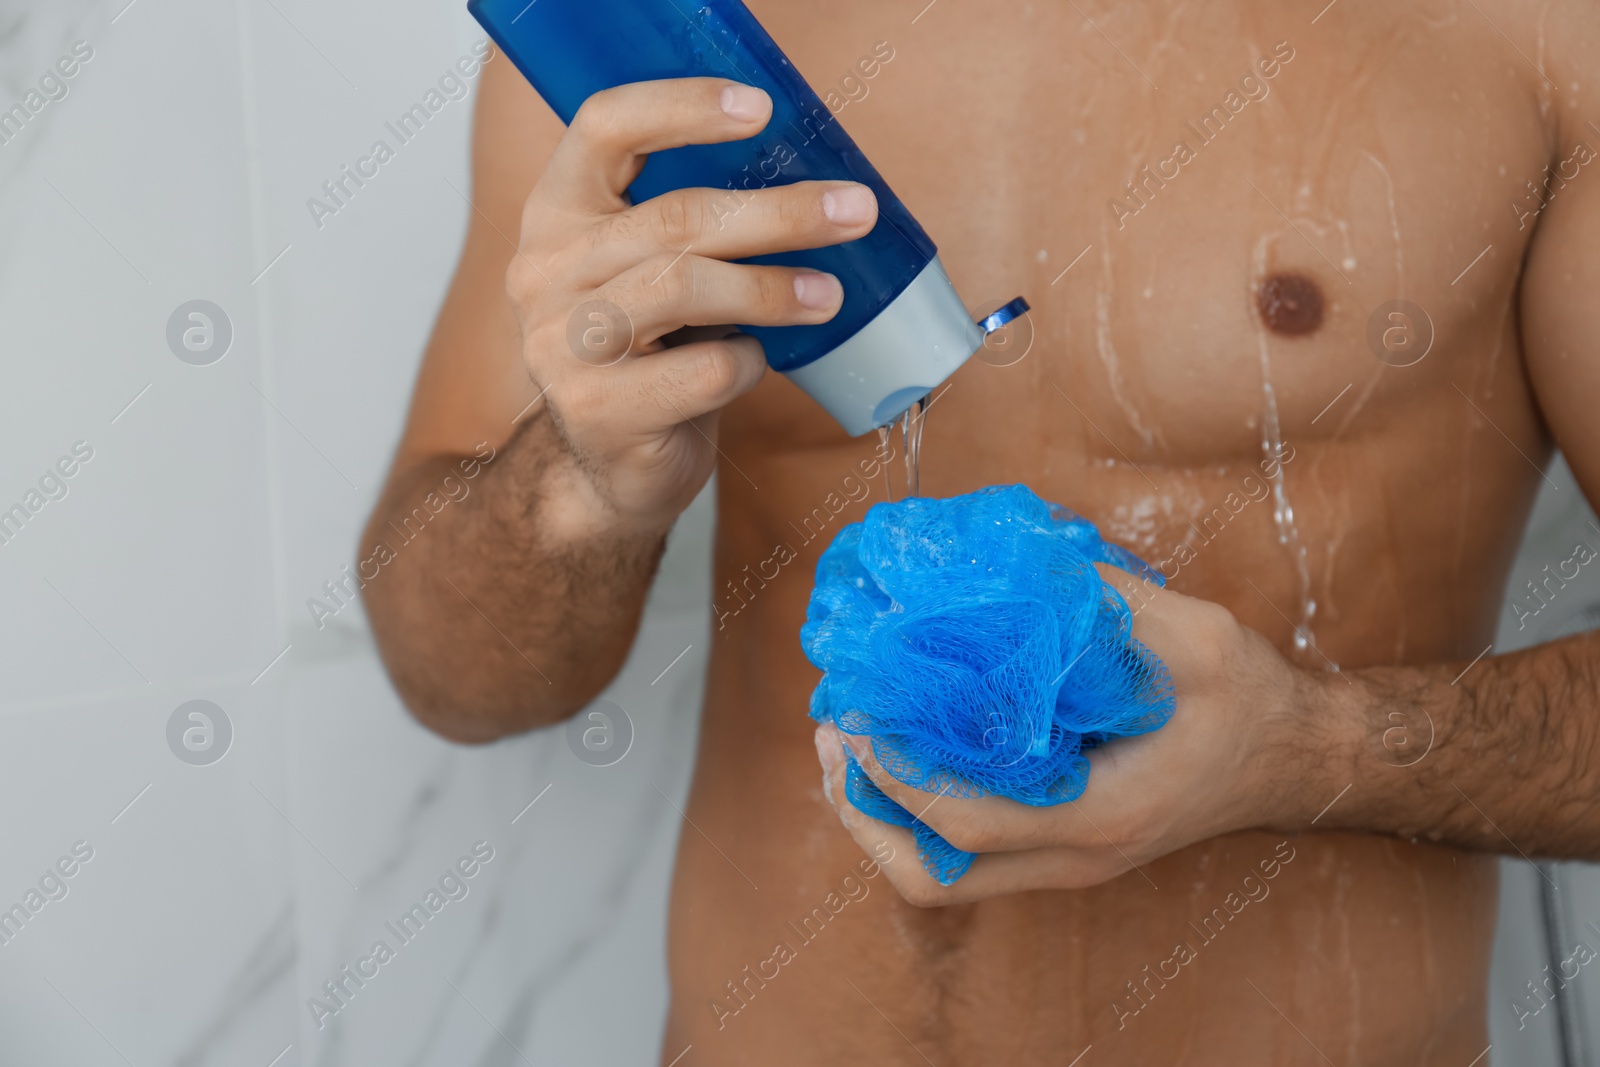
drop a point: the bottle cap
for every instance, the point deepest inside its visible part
(912, 345)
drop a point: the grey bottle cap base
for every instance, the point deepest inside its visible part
(912, 345)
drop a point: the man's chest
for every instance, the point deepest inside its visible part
(1224, 219)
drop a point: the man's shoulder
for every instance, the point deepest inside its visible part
(1554, 48)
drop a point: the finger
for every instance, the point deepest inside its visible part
(667, 293)
(972, 824)
(607, 142)
(1137, 591)
(1122, 580)
(999, 873)
(1177, 628)
(659, 391)
(990, 875)
(730, 224)
(894, 848)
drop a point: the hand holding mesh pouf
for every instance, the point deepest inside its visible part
(973, 641)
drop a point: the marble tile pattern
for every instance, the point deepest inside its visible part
(212, 905)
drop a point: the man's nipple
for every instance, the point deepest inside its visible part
(1290, 303)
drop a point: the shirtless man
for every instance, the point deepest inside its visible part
(1311, 885)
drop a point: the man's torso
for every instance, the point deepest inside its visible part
(1381, 156)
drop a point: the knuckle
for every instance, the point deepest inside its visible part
(516, 283)
(775, 290)
(588, 403)
(970, 834)
(1223, 620)
(622, 226)
(656, 396)
(797, 210)
(1211, 615)
(533, 216)
(715, 371)
(523, 283)
(565, 260)
(597, 119)
(1114, 842)
(673, 282)
(918, 890)
(1080, 873)
(543, 346)
(721, 209)
(1216, 629)
(581, 403)
(1108, 867)
(675, 219)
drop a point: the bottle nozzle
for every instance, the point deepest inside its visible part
(1016, 309)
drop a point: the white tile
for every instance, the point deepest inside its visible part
(580, 874)
(173, 938)
(1557, 604)
(131, 199)
(1519, 955)
(352, 304)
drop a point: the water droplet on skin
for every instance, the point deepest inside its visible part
(1349, 263)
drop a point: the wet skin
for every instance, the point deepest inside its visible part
(1145, 400)
(1225, 314)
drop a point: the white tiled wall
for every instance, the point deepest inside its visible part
(218, 499)
(219, 898)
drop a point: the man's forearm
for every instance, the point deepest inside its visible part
(515, 604)
(1504, 756)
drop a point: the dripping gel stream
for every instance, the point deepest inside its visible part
(883, 450)
(911, 427)
(1283, 517)
(1282, 510)
(912, 424)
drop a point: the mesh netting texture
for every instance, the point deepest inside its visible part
(973, 641)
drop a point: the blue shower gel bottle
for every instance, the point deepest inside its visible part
(902, 329)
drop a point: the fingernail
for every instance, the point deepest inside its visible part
(744, 102)
(816, 290)
(850, 205)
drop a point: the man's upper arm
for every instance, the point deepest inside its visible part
(473, 383)
(1560, 297)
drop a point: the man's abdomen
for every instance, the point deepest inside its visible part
(788, 947)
